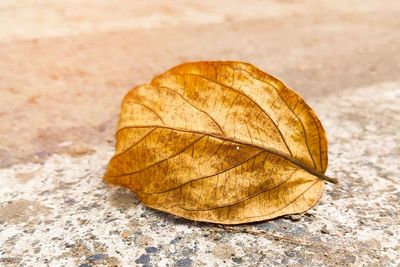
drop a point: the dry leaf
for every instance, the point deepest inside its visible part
(221, 142)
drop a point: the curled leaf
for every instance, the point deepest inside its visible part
(221, 142)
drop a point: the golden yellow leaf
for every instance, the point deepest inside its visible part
(221, 142)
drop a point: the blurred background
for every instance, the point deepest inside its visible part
(65, 65)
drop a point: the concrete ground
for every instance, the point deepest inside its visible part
(64, 68)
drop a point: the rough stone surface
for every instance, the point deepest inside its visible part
(64, 215)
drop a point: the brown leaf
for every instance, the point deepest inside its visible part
(221, 142)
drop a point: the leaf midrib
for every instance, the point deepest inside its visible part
(269, 150)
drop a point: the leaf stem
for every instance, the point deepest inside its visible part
(308, 169)
(321, 175)
(329, 179)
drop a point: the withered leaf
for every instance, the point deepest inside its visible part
(221, 142)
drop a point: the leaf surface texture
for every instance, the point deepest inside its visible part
(221, 142)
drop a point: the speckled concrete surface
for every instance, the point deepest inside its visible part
(61, 214)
